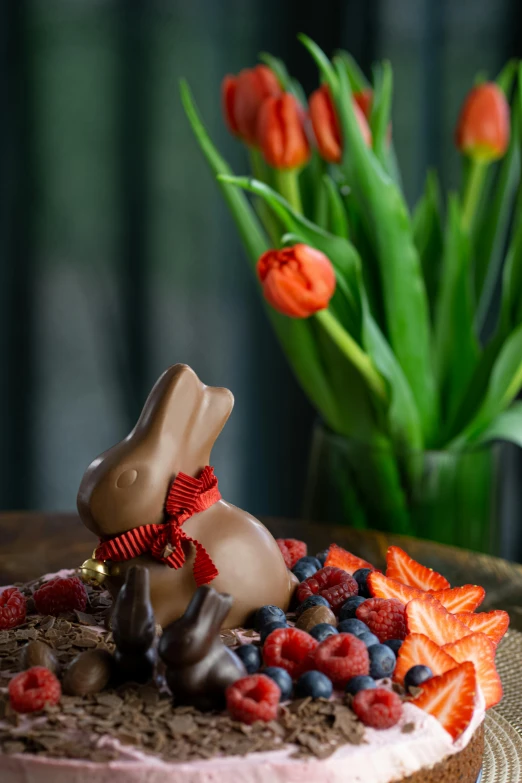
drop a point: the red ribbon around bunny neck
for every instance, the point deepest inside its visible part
(186, 496)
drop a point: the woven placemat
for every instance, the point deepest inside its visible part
(503, 736)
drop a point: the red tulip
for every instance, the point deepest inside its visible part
(483, 128)
(364, 100)
(297, 281)
(242, 97)
(326, 124)
(281, 132)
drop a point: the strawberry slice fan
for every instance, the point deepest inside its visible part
(444, 631)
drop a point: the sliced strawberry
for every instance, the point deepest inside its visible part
(405, 569)
(418, 649)
(480, 650)
(461, 599)
(450, 698)
(383, 587)
(341, 558)
(427, 615)
(493, 624)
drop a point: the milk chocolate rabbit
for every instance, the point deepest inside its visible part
(126, 488)
(199, 667)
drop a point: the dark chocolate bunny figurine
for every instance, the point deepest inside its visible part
(134, 628)
(199, 666)
(123, 496)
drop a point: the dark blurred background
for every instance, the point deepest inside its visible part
(117, 255)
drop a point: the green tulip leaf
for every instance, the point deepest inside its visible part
(428, 236)
(338, 221)
(358, 81)
(381, 110)
(506, 426)
(287, 82)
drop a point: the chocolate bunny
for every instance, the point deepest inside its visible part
(199, 667)
(126, 488)
(134, 628)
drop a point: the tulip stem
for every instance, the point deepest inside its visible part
(272, 225)
(472, 193)
(287, 181)
(353, 352)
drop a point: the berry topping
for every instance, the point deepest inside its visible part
(282, 679)
(461, 599)
(251, 657)
(313, 600)
(361, 577)
(493, 624)
(353, 626)
(269, 614)
(418, 649)
(322, 631)
(304, 570)
(450, 698)
(12, 608)
(394, 644)
(334, 584)
(321, 556)
(253, 698)
(314, 684)
(381, 586)
(341, 558)
(382, 661)
(405, 569)
(368, 638)
(480, 650)
(310, 560)
(417, 675)
(290, 648)
(427, 615)
(385, 617)
(349, 607)
(342, 657)
(266, 630)
(377, 708)
(292, 550)
(33, 689)
(61, 595)
(360, 683)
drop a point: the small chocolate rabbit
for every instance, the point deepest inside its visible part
(134, 628)
(199, 667)
(124, 492)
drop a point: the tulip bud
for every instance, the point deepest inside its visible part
(297, 281)
(326, 125)
(482, 131)
(242, 97)
(281, 132)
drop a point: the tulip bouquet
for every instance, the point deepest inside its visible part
(381, 311)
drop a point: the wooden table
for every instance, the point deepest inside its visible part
(32, 544)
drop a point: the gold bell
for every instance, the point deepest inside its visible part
(94, 572)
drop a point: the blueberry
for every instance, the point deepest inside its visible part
(394, 644)
(308, 559)
(349, 607)
(304, 570)
(251, 657)
(322, 630)
(368, 638)
(382, 661)
(321, 556)
(360, 576)
(308, 603)
(353, 625)
(314, 684)
(282, 678)
(266, 630)
(359, 683)
(269, 614)
(417, 675)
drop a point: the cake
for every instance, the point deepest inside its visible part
(192, 646)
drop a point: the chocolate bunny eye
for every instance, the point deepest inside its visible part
(127, 478)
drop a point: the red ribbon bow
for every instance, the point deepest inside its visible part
(186, 496)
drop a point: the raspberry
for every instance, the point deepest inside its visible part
(253, 698)
(61, 595)
(385, 617)
(33, 689)
(332, 583)
(290, 649)
(12, 608)
(292, 550)
(377, 708)
(341, 657)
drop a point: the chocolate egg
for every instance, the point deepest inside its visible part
(89, 672)
(314, 616)
(38, 654)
